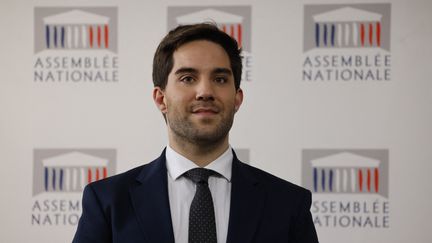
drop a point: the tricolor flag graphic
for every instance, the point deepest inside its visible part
(351, 171)
(348, 27)
(77, 29)
(346, 172)
(72, 171)
(227, 22)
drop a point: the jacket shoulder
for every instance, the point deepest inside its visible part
(273, 182)
(120, 183)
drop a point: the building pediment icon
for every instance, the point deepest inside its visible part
(347, 14)
(209, 15)
(75, 159)
(345, 159)
(76, 17)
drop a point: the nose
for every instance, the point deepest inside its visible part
(205, 91)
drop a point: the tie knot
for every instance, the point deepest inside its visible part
(199, 175)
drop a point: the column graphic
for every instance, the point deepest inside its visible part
(72, 171)
(359, 28)
(347, 26)
(76, 29)
(346, 173)
(57, 170)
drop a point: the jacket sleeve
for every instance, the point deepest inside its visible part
(93, 225)
(304, 229)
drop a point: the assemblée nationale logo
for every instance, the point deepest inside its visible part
(59, 177)
(350, 187)
(233, 20)
(75, 44)
(347, 42)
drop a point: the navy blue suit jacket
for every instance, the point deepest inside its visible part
(134, 207)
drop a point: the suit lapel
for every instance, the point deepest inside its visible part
(247, 203)
(151, 203)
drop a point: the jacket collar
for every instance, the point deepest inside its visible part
(248, 197)
(151, 203)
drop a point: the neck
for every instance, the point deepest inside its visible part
(200, 154)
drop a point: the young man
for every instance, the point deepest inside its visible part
(197, 190)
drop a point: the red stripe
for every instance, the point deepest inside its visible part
(106, 36)
(239, 30)
(368, 180)
(370, 34)
(362, 34)
(224, 28)
(232, 31)
(89, 175)
(91, 36)
(97, 174)
(378, 33)
(360, 177)
(376, 180)
(104, 172)
(99, 36)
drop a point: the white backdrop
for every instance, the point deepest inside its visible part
(284, 123)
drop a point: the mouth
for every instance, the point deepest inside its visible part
(205, 110)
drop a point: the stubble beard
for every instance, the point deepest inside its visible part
(186, 131)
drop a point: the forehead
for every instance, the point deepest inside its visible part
(201, 54)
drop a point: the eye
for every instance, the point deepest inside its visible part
(221, 80)
(186, 79)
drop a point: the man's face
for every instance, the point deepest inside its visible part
(200, 98)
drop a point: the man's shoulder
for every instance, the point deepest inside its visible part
(273, 182)
(122, 180)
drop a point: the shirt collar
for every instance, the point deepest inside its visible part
(177, 164)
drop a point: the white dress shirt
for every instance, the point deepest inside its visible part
(181, 191)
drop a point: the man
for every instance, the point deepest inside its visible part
(197, 190)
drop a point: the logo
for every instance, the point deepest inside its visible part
(58, 170)
(346, 27)
(347, 173)
(75, 28)
(59, 176)
(233, 20)
(350, 187)
(346, 42)
(75, 44)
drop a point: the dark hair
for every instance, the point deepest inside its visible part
(163, 59)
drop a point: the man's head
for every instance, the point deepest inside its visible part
(197, 91)
(163, 58)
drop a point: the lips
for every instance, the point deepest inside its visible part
(206, 109)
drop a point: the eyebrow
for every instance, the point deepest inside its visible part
(222, 71)
(185, 70)
(193, 70)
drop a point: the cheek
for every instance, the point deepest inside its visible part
(176, 104)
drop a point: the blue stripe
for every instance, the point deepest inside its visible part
(61, 179)
(54, 179)
(332, 34)
(315, 179)
(47, 36)
(317, 34)
(323, 179)
(331, 180)
(46, 179)
(55, 36)
(325, 35)
(62, 36)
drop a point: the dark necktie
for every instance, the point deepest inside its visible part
(202, 225)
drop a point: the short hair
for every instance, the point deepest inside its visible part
(163, 59)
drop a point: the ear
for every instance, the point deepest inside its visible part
(238, 99)
(159, 99)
